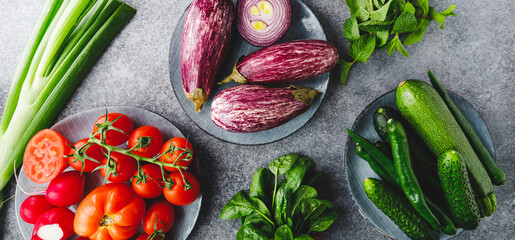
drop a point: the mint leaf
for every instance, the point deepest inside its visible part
(378, 4)
(415, 36)
(394, 44)
(409, 8)
(345, 66)
(359, 9)
(374, 26)
(380, 14)
(350, 29)
(406, 22)
(401, 48)
(382, 1)
(438, 17)
(382, 37)
(424, 4)
(363, 48)
(449, 10)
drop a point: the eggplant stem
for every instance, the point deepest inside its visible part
(197, 97)
(235, 75)
(304, 94)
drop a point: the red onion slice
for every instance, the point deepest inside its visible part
(263, 22)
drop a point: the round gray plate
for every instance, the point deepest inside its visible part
(79, 126)
(304, 25)
(358, 169)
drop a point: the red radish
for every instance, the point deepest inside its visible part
(33, 207)
(263, 22)
(54, 224)
(66, 189)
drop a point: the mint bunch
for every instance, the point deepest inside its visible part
(389, 24)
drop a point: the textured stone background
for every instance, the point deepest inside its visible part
(473, 57)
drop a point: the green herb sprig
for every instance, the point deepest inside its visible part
(389, 24)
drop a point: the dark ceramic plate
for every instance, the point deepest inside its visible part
(79, 126)
(358, 169)
(304, 25)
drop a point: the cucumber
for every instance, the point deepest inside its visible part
(394, 205)
(427, 113)
(457, 190)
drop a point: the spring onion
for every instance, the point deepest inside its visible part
(69, 37)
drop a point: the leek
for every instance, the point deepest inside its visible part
(69, 37)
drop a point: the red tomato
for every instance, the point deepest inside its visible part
(147, 136)
(56, 223)
(66, 189)
(177, 195)
(126, 166)
(145, 236)
(33, 207)
(164, 213)
(154, 185)
(111, 211)
(178, 156)
(112, 136)
(44, 156)
(93, 151)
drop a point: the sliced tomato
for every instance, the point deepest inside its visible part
(120, 128)
(111, 211)
(179, 194)
(93, 151)
(147, 140)
(180, 152)
(44, 156)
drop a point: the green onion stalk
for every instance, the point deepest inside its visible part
(68, 39)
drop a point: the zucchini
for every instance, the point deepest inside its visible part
(496, 174)
(457, 190)
(394, 205)
(427, 113)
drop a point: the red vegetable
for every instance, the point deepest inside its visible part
(153, 187)
(253, 108)
(178, 194)
(33, 207)
(54, 224)
(263, 22)
(44, 156)
(164, 213)
(94, 151)
(148, 141)
(178, 156)
(207, 30)
(66, 189)
(119, 121)
(285, 62)
(126, 166)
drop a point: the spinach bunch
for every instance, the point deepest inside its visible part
(286, 210)
(378, 23)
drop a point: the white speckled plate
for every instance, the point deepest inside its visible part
(304, 25)
(79, 126)
(358, 169)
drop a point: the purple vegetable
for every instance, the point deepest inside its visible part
(263, 22)
(285, 62)
(207, 30)
(254, 108)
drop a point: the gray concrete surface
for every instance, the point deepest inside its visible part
(473, 56)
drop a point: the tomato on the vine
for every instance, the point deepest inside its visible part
(126, 166)
(147, 139)
(180, 153)
(113, 136)
(111, 211)
(44, 156)
(94, 151)
(180, 194)
(160, 213)
(145, 236)
(154, 184)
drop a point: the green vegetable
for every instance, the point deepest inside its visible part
(457, 189)
(294, 211)
(394, 205)
(374, 165)
(427, 113)
(496, 174)
(403, 167)
(378, 23)
(446, 222)
(67, 40)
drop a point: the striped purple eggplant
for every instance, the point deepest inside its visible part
(254, 108)
(285, 62)
(207, 30)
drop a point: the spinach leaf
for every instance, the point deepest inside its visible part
(296, 174)
(250, 232)
(283, 233)
(261, 223)
(260, 206)
(323, 222)
(303, 237)
(238, 206)
(304, 192)
(283, 164)
(283, 201)
(260, 181)
(312, 208)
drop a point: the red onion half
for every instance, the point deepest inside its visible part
(263, 22)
